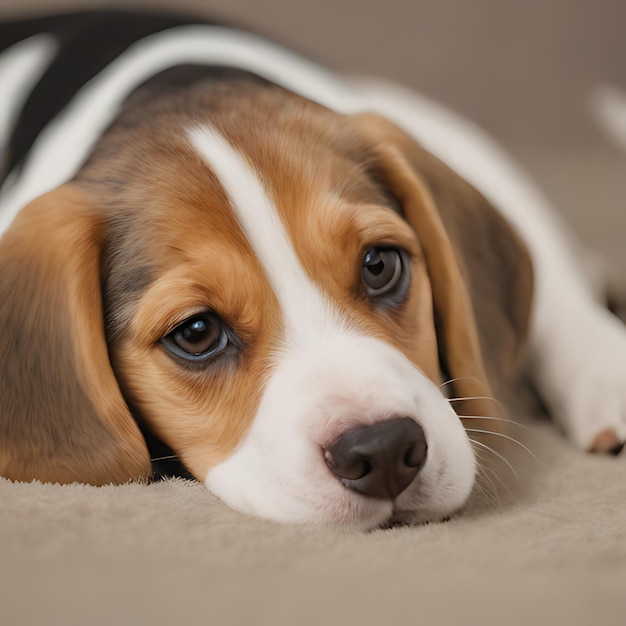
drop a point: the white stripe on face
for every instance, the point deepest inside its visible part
(302, 304)
(325, 376)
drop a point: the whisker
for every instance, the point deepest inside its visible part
(486, 478)
(453, 380)
(489, 398)
(498, 419)
(486, 465)
(503, 459)
(491, 432)
(487, 474)
(486, 489)
(475, 398)
(165, 458)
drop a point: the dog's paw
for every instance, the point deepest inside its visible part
(586, 382)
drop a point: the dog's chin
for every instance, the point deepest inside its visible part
(408, 510)
(404, 519)
(397, 518)
(338, 508)
(380, 520)
(360, 515)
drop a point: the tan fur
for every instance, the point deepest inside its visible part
(62, 417)
(200, 260)
(469, 292)
(171, 247)
(493, 261)
(201, 414)
(334, 213)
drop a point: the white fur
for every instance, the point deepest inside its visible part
(64, 144)
(578, 350)
(326, 375)
(302, 304)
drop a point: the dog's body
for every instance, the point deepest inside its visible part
(230, 245)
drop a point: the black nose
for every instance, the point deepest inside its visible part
(379, 461)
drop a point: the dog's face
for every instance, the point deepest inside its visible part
(279, 299)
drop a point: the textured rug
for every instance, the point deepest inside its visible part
(171, 553)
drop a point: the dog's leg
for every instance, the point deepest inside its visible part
(577, 348)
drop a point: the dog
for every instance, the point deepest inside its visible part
(295, 281)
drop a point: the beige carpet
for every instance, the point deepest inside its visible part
(170, 553)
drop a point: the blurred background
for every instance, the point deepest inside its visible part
(527, 72)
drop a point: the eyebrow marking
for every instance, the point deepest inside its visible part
(303, 305)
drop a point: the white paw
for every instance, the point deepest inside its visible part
(583, 379)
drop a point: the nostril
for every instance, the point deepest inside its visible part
(350, 469)
(416, 454)
(380, 460)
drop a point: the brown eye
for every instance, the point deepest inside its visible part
(198, 338)
(382, 270)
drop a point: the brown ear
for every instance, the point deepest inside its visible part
(62, 415)
(481, 271)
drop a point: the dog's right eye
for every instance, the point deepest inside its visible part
(386, 275)
(199, 338)
(381, 270)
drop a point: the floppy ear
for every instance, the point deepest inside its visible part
(62, 415)
(480, 270)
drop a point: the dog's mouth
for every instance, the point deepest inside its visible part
(398, 519)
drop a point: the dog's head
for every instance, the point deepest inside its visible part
(274, 291)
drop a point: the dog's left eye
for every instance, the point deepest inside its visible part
(385, 273)
(198, 338)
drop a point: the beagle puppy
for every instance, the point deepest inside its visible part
(211, 246)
